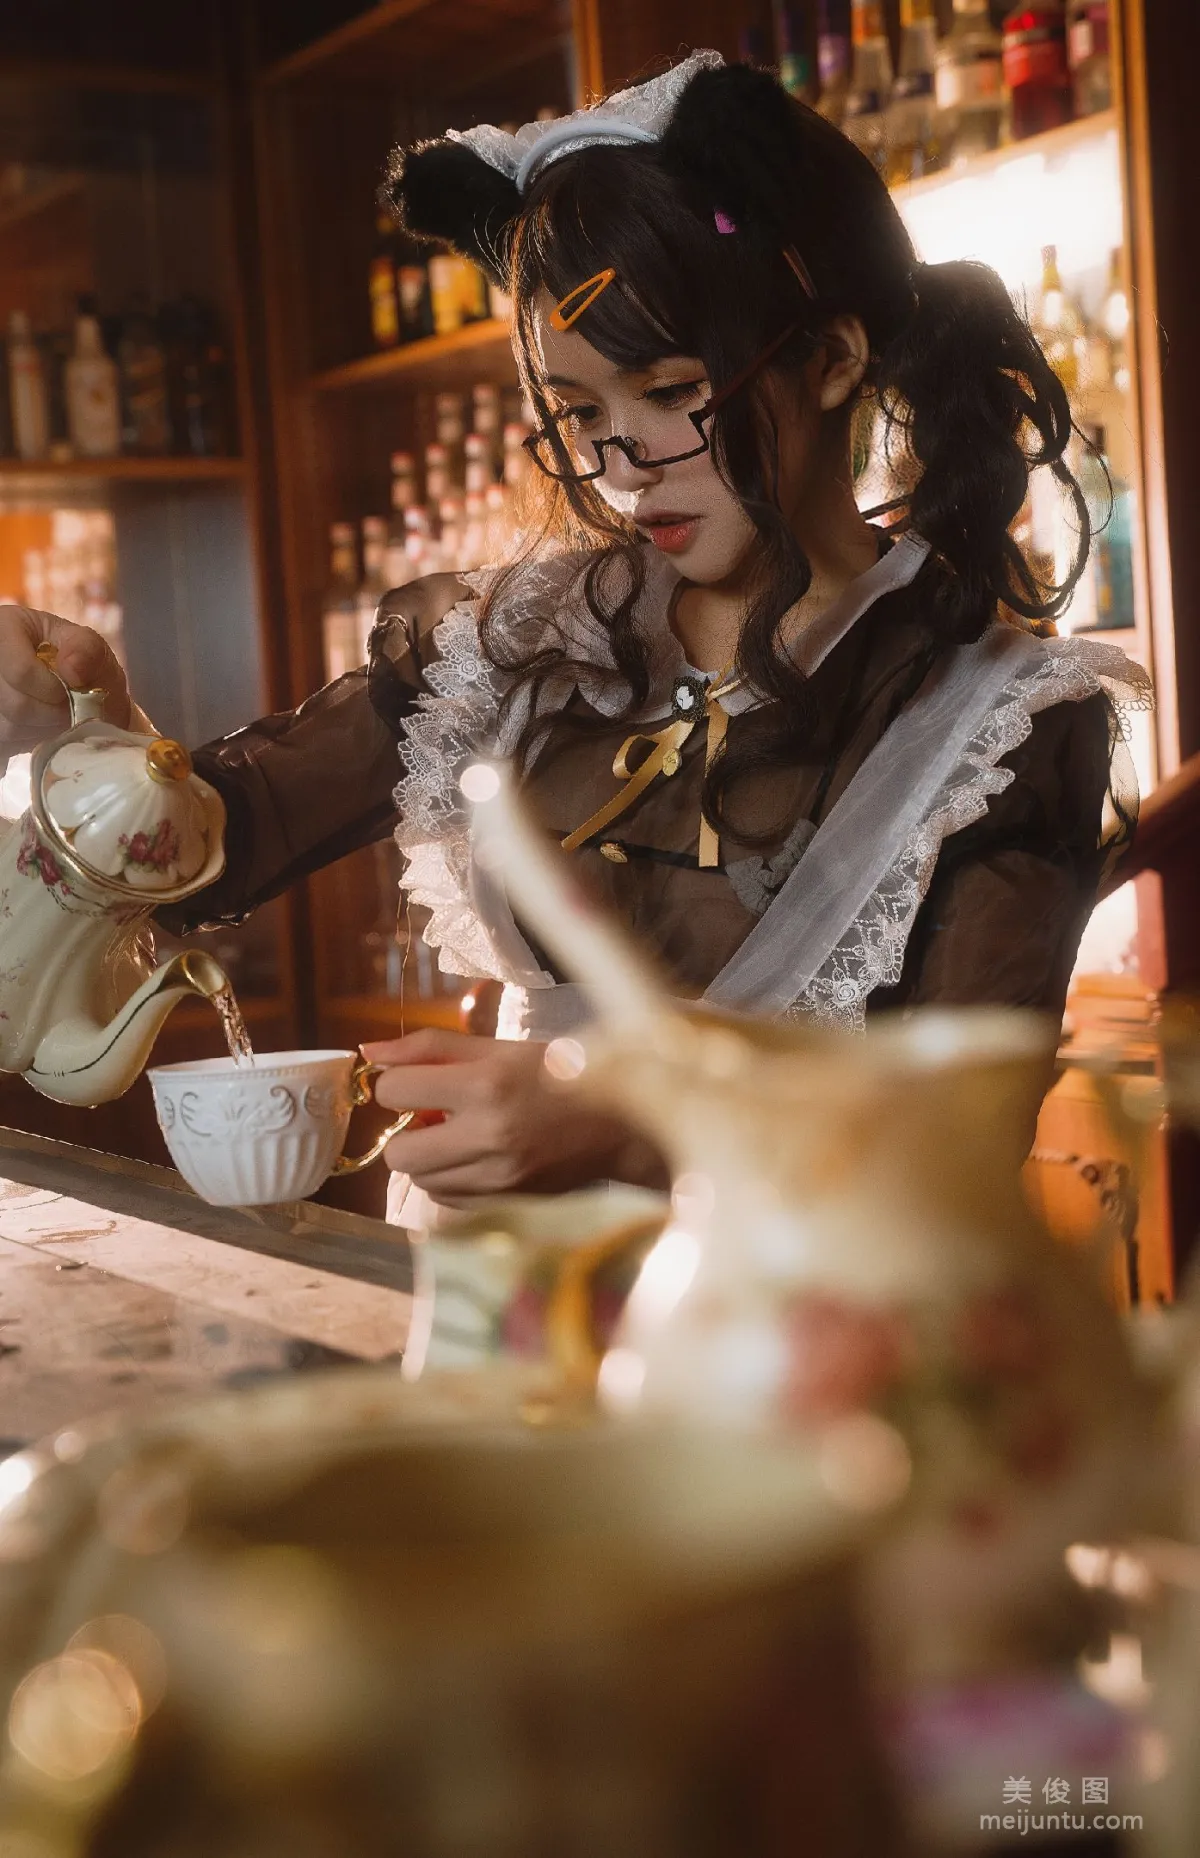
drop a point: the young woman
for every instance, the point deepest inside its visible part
(801, 756)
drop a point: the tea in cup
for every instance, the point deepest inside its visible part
(267, 1129)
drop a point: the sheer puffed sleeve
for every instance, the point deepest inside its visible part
(305, 787)
(1010, 896)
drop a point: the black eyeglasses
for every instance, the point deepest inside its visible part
(550, 451)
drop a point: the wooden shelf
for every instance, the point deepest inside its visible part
(1050, 145)
(132, 79)
(483, 344)
(434, 40)
(120, 470)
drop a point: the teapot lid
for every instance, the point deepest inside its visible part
(128, 810)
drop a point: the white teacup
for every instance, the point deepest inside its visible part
(268, 1130)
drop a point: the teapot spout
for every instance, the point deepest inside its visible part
(81, 1062)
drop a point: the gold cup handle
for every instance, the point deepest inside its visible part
(360, 1093)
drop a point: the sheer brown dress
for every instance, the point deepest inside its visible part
(1000, 922)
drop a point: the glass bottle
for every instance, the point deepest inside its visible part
(833, 59)
(1104, 600)
(57, 347)
(450, 429)
(913, 131)
(445, 294)
(865, 120)
(970, 84)
(93, 401)
(437, 485)
(1058, 324)
(374, 582)
(146, 423)
(485, 420)
(403, 499)
(1035, 67)
(339, 612)
(412, 294)
(27, 389)
(792, 59)
(198, 380)
(381, 284)
(1088, 56)
(1114, 322)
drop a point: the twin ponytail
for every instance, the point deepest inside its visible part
(976, 406)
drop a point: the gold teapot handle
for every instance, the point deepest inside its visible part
(568, 1311)
(360, 1093)
(87, 706)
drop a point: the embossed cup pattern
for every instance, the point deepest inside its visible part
(255, 1135)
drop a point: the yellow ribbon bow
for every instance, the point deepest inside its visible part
(664, 758)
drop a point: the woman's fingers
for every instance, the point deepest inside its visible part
(428, 1046)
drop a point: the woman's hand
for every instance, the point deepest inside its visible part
(503, 1127)
(33, 706)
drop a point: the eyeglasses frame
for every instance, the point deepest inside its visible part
(627, 446)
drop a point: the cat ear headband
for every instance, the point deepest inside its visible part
(467, 188)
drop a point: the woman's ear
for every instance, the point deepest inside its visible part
(844, 360)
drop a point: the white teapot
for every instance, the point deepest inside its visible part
(117, 826)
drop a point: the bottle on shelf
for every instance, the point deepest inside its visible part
(833, 59)
(485, 421)
(145, 411)
(792, 60)
(1035, 67)
(339, 613)
(374, 582)
(437, 486)
(473, 292)
(449, 414)
(93, 397)
(381, 284)
(516, 458)
(479, 478)
(971, 97)
(865, 119)
(57, 346)
(445, 298)
(1088, 56)
(27, 389)
(1059, 326)
(412, 294)
(913, 129)
(198, 380)
(1113, 324)
(1104, 599)
(403, 499)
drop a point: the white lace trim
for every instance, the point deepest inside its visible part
(871, 953)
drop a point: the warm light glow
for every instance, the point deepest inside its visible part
(467, 1003)
(1118, 1679)
(74, 1714)
(664, 1278)
(16, 1475)
(864, 1463)
(1004, 212)
(564, 1059)
(620, 1381)
(479, 783)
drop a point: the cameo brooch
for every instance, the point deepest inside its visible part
(688, 698)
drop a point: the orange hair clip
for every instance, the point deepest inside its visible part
(559, 316)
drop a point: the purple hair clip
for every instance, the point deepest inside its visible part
(723, 222)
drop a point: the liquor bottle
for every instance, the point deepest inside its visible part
(437, 485)
(498, 525)
(792, 59)
(1113, 545)
(913, 139)
(381, 284)
(450, 430)
(970, 84)
(473, 292)
(516, 458)
(404, 499)
(412, 295)
(339, 613)
(865, 120)
(57, 346)
(374, 582)
(145, 411)
(1087, 56)
(444, 294)
(1114, 321)
(27, 387)
(1035, 67)
(198, 380)
(833, 59)
(479, 478)
(451, 519)
(93, 399)
(500, 304)
(485, 421)
(1058, 324)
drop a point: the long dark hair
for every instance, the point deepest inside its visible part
(968, 401)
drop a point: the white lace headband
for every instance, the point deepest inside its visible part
(639, 114)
